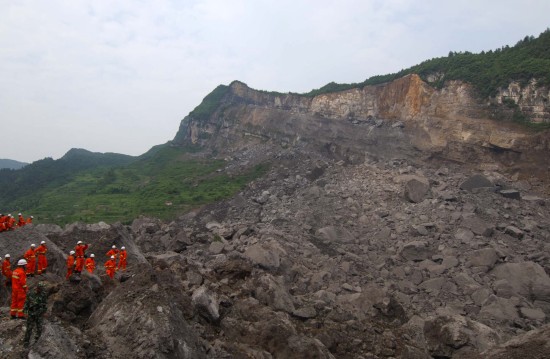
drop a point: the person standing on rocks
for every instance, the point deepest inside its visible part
(42, 260)
(30, 256)
(6, 269)
(21, 221)
(35, 307)
(110, 267)
(90, 264)
(18, 290)
(80, 250)
(122, 261)
(113, 252)
(70, 265)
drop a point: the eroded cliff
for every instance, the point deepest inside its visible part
(406, 118)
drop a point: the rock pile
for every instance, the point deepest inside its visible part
(318, 259)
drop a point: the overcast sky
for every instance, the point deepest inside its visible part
(119, 75)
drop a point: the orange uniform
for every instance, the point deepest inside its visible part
(29, 220)
(18, 292)
(122, 263)
(2, 224)
(6, 271)
(79, 251)
(42, 260)
(30, 256)
(90, 265)
(21, 222)
(70, 266)
(10, 223)
(113, 252)
(110, 268)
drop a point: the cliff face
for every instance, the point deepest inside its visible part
(404, 118)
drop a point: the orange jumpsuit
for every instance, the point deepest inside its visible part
(30, 256)
(29, 220)
(113, 252)
(122, 262)
(90, 264)
(70, 266)
(6, 271)
(10, 223)
(2, 224)
(18, 292)
(21, 222)
(79, 253)
(42, 260)
(110, 267)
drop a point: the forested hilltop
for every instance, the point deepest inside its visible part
(487, 71)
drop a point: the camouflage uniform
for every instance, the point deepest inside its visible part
(35, 307)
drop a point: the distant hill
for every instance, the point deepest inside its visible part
(11, 164)
(84, 186)
(20, 189)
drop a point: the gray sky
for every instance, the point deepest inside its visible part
(118, 76)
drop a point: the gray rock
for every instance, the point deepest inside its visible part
(527, 279)
(416, 189)
(485, 257)
(206, 304)
(263, 255)
(510, 193)
(476, 181)
(332, 234)
(216, 247)
(514, 232)
(532, 313)
(478, 226)
(416, 251)
(464, 235)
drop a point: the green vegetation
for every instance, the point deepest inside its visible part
(209, 104)
(162, 183)
(486, 71)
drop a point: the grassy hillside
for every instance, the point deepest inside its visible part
(161, 183)
(487, 71)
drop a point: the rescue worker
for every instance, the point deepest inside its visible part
(113, 252)
(18, 290)
(80, 250)
(2, 224)
(10, 223)
(35, 307)
(30, 256)
(21, 221)
(122, 258)
(29, 220)
(90, 263)
(70, 264)
(42, 260)
(110, 267)
(6, 269)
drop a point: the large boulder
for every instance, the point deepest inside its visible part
(527, 279)
(416, 189)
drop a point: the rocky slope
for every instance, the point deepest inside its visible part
(404, 118)
(319, 259)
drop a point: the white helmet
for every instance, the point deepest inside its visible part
(92, 255)
(22, 262)
(112, 257)
(122, 247)
(33, 245)
(113, 246)
(71, 252)
(19, 214)
(7, 255)
(43, 242)
(79, 242)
